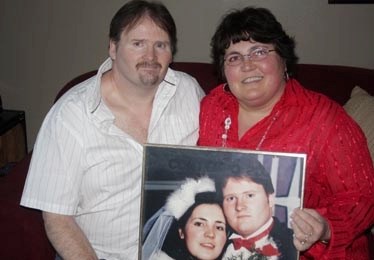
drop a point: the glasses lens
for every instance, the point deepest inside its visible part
(234, 59)
(259, 54)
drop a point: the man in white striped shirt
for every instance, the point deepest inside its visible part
(85, 173)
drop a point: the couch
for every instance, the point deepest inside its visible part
(22, 233)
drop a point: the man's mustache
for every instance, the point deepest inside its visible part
(146, 64)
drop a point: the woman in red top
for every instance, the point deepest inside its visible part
(261, 108)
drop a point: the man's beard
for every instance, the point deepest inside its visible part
(149, 78)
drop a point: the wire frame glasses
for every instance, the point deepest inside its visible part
(257, 54)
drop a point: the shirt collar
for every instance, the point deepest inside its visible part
(101, 112)
(170, 79)
(94, 101)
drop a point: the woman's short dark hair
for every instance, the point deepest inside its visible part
(250, 23)
(130, 13)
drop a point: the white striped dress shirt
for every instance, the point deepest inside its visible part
(83, 165)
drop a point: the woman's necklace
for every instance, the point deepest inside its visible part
(228, 125)
(226, 130)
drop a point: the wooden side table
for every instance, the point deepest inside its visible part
(13, 139)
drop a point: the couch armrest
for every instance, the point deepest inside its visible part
(22, 234)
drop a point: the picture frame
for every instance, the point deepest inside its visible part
(351, 2)
(166, 167)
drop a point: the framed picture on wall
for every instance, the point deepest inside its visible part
(351, 1)
(258, 188)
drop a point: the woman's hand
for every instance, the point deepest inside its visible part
(309, 227)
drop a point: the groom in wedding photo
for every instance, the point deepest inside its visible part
(248, 196)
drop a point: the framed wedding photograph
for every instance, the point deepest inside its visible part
(218, 203)
(351, 1)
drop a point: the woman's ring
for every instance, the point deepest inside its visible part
(306, 237)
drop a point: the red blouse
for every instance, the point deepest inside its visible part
(339, 170)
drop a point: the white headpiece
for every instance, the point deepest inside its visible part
(184, 197)
(176, 205)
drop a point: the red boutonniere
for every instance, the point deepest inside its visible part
(268, 250)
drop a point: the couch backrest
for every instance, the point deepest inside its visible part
(334, 81)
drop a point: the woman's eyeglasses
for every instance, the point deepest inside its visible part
(257, 54)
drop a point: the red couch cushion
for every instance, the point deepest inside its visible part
(22, 234)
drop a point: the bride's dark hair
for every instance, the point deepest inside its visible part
(174, 246)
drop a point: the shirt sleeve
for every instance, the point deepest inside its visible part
(347, 172)
(55, 172)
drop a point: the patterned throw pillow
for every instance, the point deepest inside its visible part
(361, 108)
